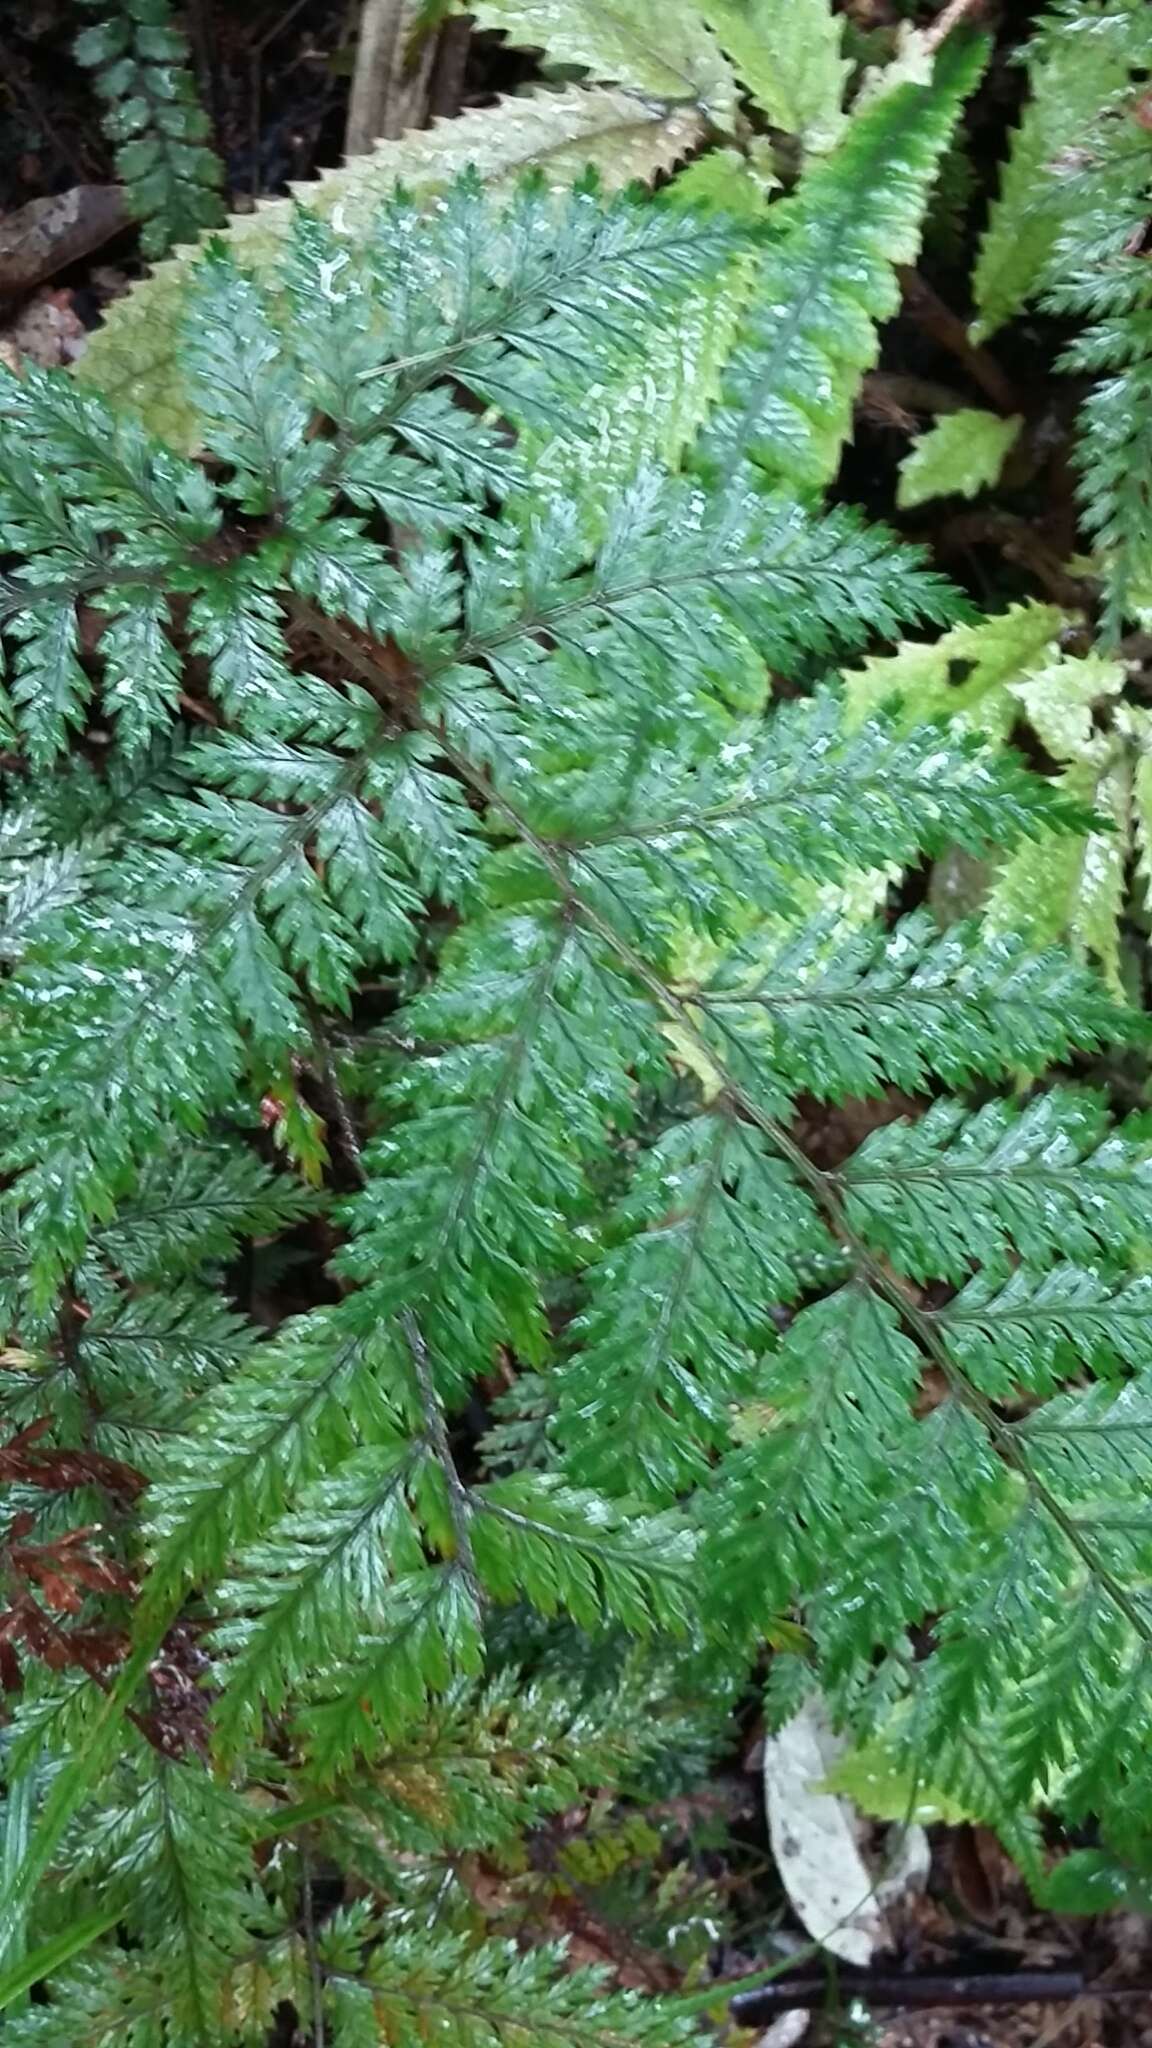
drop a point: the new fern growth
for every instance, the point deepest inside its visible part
(413, 890)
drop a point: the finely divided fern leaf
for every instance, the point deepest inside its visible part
(1079, 64)
(829, 278)
(671, 57)
(787, 52)
(163, 153)
(454, 842)
(134, 359)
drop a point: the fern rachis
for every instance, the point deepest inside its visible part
(412, 883)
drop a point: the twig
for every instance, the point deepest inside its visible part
(337, 1100)
(1016, 1987)
(948, 330)
(1019, 542)
(890, 399)
(459, 1505)
(955, 12)
(314, 1970)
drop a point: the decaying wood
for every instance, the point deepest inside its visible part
(390, 85)
(44, 237)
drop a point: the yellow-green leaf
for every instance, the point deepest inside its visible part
(1072, 885)
(960, 456)
(666, 51)
(1058, 700)
(966, 674)
(788, 54)
(873, 1779)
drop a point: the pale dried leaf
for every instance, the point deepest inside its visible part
(813, 1839)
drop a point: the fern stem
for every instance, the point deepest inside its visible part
(459, 1503)
(956, 12)
(822, 1186)
(337, 1100)
(315, 1974)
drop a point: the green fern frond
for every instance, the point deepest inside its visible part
(485, 1763)
(494, 1996)
(176, 1851)
(1032, 1328)
(1079, 64)
(829, 278)
(936, 1194)
(636, 1410)
(134, 359)
(496, 850)
(164, 156)
(894, 1009)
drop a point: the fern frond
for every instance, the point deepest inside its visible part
(831, 1416)
(164, 156)
(1094, 274)
(653, 412)
(320, 1580)
(299, 1407)
(487, 1762)
(829, 278)
(134, 359)
(893, 1009)
(460, 846)
(676, 59)
(1074, 207)
(789, 58)
(493, 1996)
(666, 1342)
(1077, 885)
(194, 1208)
(177, 1852)
(1032, 1328)
(1079, 64)
(1047, 1178)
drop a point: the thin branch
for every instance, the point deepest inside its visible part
(900, 1993)
(315, 1972)
(1019, 541)
(340, 1112)
(950, 332)
(459, 1504)
(956, 12)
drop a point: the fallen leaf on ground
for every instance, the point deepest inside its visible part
(49, 332)
(814, 1835)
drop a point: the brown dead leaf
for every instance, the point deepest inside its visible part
(48, 332)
